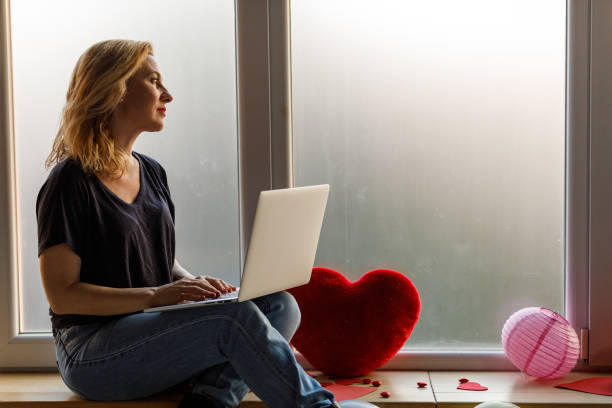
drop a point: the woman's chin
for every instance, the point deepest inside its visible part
(156, 127)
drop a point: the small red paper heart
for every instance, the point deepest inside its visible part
(350, 329)
(471, 386)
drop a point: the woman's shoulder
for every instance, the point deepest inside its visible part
(154, 172)
(66, 178)
(67, 171)
(151, 165)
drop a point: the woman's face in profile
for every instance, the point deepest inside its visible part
(144, 106)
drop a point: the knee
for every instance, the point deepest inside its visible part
(246, 312)
(279, 309)
(289, 314)
(249, 315)
(245, 320)
(292, 307)
(286, 304)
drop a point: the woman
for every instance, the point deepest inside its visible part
(106, 252)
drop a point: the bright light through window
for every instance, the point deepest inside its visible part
(440, 127)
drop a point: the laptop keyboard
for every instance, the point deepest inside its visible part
(227, 295)
(223, 297)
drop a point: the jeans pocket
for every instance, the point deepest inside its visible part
(72, 338)
(68, 335)
(56, 335)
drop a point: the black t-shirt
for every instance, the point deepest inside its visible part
(121, 245)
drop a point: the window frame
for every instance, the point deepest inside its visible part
(16, 349)
(265, 157)
(600, 191)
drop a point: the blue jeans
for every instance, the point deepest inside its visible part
(223, 350)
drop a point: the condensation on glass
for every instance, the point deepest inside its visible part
(194, 45)
(440, 127)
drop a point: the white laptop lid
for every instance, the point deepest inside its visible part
(283, 244)
(284, 240)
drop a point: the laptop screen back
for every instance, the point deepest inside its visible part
(284, 240)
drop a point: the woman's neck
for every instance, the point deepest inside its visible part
(123, 136)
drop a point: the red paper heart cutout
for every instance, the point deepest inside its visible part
(471, 386)
(592, 385)
(350, 329)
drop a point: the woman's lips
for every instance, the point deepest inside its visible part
(162, 110)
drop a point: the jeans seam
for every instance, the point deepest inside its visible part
(131, 347)
(258, 351)
(79, 344)
(60, 343)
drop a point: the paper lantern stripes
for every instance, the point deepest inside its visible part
(540, 342)
(539, 359)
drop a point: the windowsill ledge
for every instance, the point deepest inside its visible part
(47, 389)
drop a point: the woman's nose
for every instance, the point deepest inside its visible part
(166, 97)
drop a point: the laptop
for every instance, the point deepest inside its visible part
(283, 245)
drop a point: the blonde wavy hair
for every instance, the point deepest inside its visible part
(97, 86)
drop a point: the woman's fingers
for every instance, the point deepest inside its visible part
(192, 296)
(211, 284)
(226, 287)
(218, 284)
(194, 289)
(200, 287)
(213, 281)
(205, 283)
(230, 288)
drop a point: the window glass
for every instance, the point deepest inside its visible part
(440, 127)
(194, 45)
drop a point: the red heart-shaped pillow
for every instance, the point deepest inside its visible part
(350, 329)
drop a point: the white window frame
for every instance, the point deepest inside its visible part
(265, 161)
(16, 349)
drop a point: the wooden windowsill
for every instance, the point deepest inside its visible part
(48, 390)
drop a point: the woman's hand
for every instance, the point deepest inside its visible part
(219, 284)
(190, 289)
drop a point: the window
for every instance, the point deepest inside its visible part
(194, 45)
(198, 146)
(440, 127)
(355, 68)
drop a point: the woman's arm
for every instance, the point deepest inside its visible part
(60, 272)
(178, 272)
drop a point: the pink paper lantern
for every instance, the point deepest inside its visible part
(540, 342)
